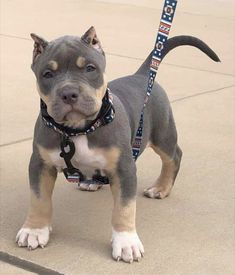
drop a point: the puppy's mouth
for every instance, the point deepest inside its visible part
(77, 119)
(74, 116)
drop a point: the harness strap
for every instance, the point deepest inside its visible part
(162, 36)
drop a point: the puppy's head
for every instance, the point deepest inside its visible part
(70, 73)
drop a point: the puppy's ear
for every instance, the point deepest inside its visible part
(91, 39)
(39, 45)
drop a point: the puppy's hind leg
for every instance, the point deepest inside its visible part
(169, 171)
(163, 140)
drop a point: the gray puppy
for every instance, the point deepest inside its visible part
(70, 73)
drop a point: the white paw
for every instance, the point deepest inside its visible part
(155, 192)
(32, 238)
(83, 186)
(126, 246)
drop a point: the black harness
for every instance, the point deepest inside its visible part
(105, 116)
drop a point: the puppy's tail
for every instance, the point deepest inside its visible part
(176, 41)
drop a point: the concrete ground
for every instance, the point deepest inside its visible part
(190, 232)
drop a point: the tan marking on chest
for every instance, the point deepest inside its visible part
(85, 158)
(112, 156)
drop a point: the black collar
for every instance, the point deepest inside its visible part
(105, 116)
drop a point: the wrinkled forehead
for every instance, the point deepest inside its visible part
(69, 50)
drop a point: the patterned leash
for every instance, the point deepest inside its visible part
(162, 36)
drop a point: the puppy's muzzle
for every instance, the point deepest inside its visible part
(69, 96)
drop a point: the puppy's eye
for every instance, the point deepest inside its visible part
(48, 74)
(90, 68)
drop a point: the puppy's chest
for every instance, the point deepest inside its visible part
(86, 159)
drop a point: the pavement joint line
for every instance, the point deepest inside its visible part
(132, 58)
(26, 265)
(16, 141)
(170, 64)
(172, 101)
(180, 12)
(202, 93)
(200, 70)
(15, 36)
(207, 15)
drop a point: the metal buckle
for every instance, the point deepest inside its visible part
(73, 175)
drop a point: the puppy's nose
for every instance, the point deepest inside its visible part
(69, 97)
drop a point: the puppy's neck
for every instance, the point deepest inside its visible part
(84, 126)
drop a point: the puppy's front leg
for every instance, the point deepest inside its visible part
(36, 228)
(126, 244)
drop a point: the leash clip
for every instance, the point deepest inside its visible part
(67, 148)
(71, 173)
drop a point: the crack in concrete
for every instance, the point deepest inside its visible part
(172, 101)
(26, 265)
